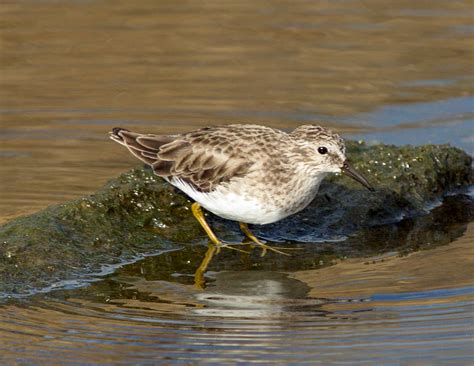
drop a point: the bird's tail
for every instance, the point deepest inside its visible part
(144, 147)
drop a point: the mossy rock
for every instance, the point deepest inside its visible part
(139, 214)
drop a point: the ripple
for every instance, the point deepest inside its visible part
(260, 316)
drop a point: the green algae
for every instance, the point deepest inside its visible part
(419, 174)
(134, 214)
(139, 214)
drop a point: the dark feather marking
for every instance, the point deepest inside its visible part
(138, 154)
(181, 164)
(153, 142)
(205, 174)
(151, 155)
(130, 140)
(162, 168)
(201, 159)
(192, 165)
(173, 149)
(147, 160)
(209, 162)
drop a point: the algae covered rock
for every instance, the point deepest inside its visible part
(135, 214)
(139, 214)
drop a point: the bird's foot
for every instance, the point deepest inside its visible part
(219, 245)
(266, 248)
(245, 229)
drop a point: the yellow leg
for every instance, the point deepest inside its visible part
(245, 229)
(199, 215)
(199, 281)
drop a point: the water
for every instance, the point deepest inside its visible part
(73, 70)
(386, 312)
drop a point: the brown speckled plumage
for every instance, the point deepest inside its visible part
(248, 173)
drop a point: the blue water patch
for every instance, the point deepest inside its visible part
(464, 28)
(393, 115)
(429, 82)
(448, 121)
(14, 154)
(431, 294)
(459, 134)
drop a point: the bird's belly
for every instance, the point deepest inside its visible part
(243, 209)
(234, 206)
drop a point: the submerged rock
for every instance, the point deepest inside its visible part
(139, 214)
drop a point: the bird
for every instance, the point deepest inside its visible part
(247, 173)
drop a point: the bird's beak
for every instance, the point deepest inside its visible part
(347, 169)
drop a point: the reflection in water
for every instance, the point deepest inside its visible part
(212, 250)
(242, 316)
(358, 311)
(199, 280)
(252, 295)
(153, 310)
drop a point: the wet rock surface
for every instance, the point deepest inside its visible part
(139, 214)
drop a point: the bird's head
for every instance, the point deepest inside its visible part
(323, 151)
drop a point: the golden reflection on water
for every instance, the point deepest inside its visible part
(72, 70)
(438, 268)
(247, 315)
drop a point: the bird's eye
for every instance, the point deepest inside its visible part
(322, 150)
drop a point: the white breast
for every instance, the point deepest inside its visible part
(233, 206)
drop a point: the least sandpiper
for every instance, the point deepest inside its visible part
(247, 173)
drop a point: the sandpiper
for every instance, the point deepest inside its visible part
(247, 173)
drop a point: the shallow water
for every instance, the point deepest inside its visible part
(396, 74)
(393, 310)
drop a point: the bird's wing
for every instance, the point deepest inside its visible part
(192, 158)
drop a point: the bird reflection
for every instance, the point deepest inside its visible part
(199, 281)
(212, 250)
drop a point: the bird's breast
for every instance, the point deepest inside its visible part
(254, 201)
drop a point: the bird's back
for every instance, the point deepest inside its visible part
(205, 157)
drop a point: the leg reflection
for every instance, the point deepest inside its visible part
(199, 281)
